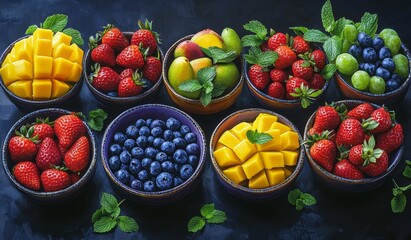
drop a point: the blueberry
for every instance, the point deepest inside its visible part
(177, 134)
(122, 175)
(391, 85)
(150, 140)
(177, 167)
(129, 144)
(149, 186)
(115, 149)
(161, 157)
(158, 123)
(149, 121)
(186, 171)
(378, 63)
(384, 53)
(164, 181)
(137, 152)
(150, 152)
(147, 84)
(167, 166)
(142, 141)
(396, 78)
(177, 181)
(157, 132)
(355, 51)
(180, 156)
(145, 163)
(125, 157)
(132, 178)
(377, 43)
(193, 160)
(168, 135)
(137, 185)
(180, 143)
(168, 147)
(362, 66)
(193, 148)
(370, 68)
(114, 163)
(173, 124)
(155, 168)
(143, 175)
(190, 138)
(369, 55)
(157, 142)
(184, 129)
(140, 123)
(144, 131)
(364, 40)
(124, 166)
(112, 94)
(388, 64)
(120, 138)
(132, 131)
(384, 73)
(135, 166)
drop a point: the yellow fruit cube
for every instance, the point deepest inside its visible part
(275, 176)
(244, 150)
(229, 139)
(253, 166)
(21, 89)
(61, 69)
(290, 157)
(259, 181)
(22, 70)
(290, 141)
(10, 58)
(283, 128)
(23, 50)
(77, 55)
(272, 159)
(30, 41)
(42, 89)
(288, 171)
(241, 129)
(60, 38)
(75, 73)
(58, 88)
(264, 121)
(274, 144)
(7, 74)
(42, 33)
(42, 67)
(225, 157)
(62, 51)
(219, 145)
(235, 174)
(42, 47)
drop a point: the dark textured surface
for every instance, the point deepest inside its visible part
(336, 215)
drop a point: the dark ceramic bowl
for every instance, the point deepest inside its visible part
(347, 185)
(249, 115)
(160, 112)
(194, 105)
(57, 196)
(38, 104)
(386, 98)
(144, 97)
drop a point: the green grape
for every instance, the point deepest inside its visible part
(360, 80)
(377, 85)
(346, 64)
(350, 33)
(384, 34)
(346, 46)
(401, 65)
(393, 43)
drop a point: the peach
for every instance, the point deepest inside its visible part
(188, 49)
(208, 38)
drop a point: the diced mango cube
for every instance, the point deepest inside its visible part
(77, 55)
(244, 150)
(30, 41)
(229, 139)
(10, 58)
(241, 129)
(225, 157)
(21, 88)
(219, 145)
(42, 47)
(235, 174)
(264, 121)
(60, 38)
(59, 88)
(259, 181)
(75, 73)
(61, 69)
(62, 51)
(253, 166)
(274, 144)
(22, 70)
(42, 88)
(23, 50)
(7, 74)
(288, 171)
(283, 128)
(290, 157)
(42, 67)
(42, 33)
(290, 141)
(272, 159)
(275, 176)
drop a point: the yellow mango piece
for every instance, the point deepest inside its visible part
(241, 129)
(225, 157)
(61, 69)
(42, 33)
(42, 67)
(219, 145)
(30, 41)
(288, 171)
(75, 73)
(272, 159)
(42, 89)
(235, 174)
(21, 89)
(42, 47)
(259, 181)
(290, 141)
(290, 157)
(283, 128)
(264, 121)
(60, 38)
(23, 50)
(59, 88)
(62, 51)
(253, 166)
(229, 139)
(10, 58)
(244, 150)
(7, 74)
(274, 144)
(275, 176)
(77, 54)
(22, 70)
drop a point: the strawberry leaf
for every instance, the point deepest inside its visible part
(190, 86)
(256, 27)
(314, 35)
(327, 16)
(369, 24)
(332, 47)
(31, 29)
(56, 22)
(258, 138)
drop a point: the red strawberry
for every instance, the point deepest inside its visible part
(292, 84)
(152, 69)
(130, 57)
(350, 133)
(377, 167)
(278, 75)
(130, 86)
(317, 81)
(324, 153)
(54, 180)
(383, 118)
(62, 149)
(362, 155)
(361, 112)
(104, 79)
(302, 69)
(391, 139)
(345, 169)
(48, 154)
(326, 118)
(146, 37)
(42, 129)
(276, 90)
(77, 157)
(22, 148)
(300, 46)
(264, 47)
(104, 55)
(68, 129)
(114, 38)
(286, 57)
(27, 174)
(258, 77)
(74, 177)
(355, 155)
(312, 132)
(276, 40)
(128, 72)
(319, 58)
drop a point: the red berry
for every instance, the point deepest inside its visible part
(292, 84)
(319, 58)
(324, 153)
(105, 79)
(326, 118)
(145, 37)
(48, 154)
(104, 55)
(302, 69)
(54, 180)
(128, 72)
(317, 81)
(68, 129)
(258, 77)
(152, 69)
(276, 40)
(345, 169)
(300, 46)
(114, 38)
(383, 118)
(77, 157)
(278, 75)
(130, 57)
(130, 86)
(390, 140)
(361, 112)
(27, 174)
(350, 133)
(276, 90)
(286, 57)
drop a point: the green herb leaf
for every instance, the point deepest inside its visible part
(299, 204)
(267, 58)
(252, 56)
(219, 55)
(218, 216)
(115, 213)
(207, 209)
(398, 203)
(205, 99)
(328, 71)
(256, 27)
(206, 74)
(99, 213)
(258, 138)
(300, 31)
(96, 119)
(339, 26)
(308, 199)
(218, 90)
(293, 196)
(127, 224)
(300, 199)
(196, 224)
(327, 16)
(56, 22)
(31, 29)
(208, 87)
(314, 35)
(105, 224)
(369, 24)
(109, 203)
(251, 41)
(332, 48)
(407, 170)
(190, 86)
(76, 36)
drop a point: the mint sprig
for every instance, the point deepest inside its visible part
(399, 200)
(300, 199)
(407, 170)
(264, 59)
(259, 36)
(258, 138)
(108, 216)
(327, 16)
(96, 119)
(369, 24)
(219, 55)
(208, 215)
(328, 71)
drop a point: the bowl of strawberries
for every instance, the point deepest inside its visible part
(284, 72)
(50, 155)
(353, 146)
(124, 68)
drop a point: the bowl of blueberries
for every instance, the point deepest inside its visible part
(154, 154)
(375, 69)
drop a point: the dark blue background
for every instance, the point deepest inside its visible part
(336, 215)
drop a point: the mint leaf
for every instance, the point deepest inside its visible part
(369, 24)
(407, 170)
(56, 22)
(314, 35)
(190, 86)
(266, 59)
(206, 74)
(207, 209)
(339, 26)
(298, 30)
(252, 56)
(327, 16)
(96, 119)
(218, 90)
(398, 203)
(99, 213)
(258, 138)
(218, 216)
(293, 196)
(31, 29)
(299, 204)
(328, 71)
(205, 99)
(256, 27)
(196, 224)
(76, 36)
(108, 203)
(332, 48)
(127, 224)
(105, 224)
(219, 55)
(208, 87)
(251, 41)
(308, 199)
(115, 213)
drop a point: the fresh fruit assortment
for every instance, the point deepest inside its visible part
(50, 156)
(123, 67)
(259, 154)
(154, 154)
(203, 66)
(354, 144)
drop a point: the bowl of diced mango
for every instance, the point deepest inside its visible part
(41, 70)
(256, 154)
